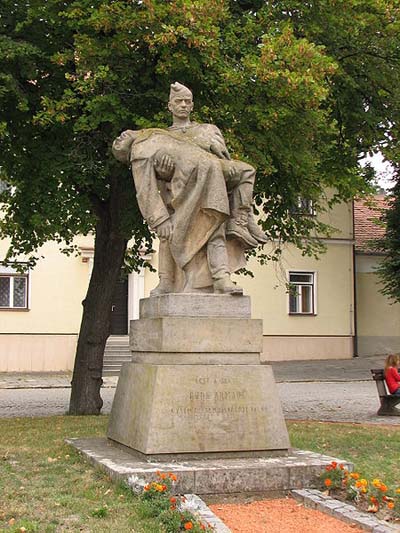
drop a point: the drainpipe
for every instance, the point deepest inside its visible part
(355, 337)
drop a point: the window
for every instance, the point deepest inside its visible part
(302, 293)
(304, 206)
(3, 186)
(13, 289)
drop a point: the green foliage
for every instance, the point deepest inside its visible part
(301, 89)
(158, 502)
(389, 268)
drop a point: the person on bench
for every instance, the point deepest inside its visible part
(392, 376)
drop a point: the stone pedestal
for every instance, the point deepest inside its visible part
(195, 384)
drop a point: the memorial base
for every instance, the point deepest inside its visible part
(198, 409)
(299, 469)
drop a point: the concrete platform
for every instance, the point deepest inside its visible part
(299, 469)
(195, 305)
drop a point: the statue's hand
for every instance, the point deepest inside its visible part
(165, 230)
(164, 167)
(232, 171)
(219, 149)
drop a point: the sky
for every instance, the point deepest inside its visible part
(383, 169)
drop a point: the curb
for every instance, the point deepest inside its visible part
(315, 499)
(197, 506)
(192, 503)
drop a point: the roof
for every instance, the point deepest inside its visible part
(366, 215)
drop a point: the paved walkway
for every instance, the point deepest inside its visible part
(336, 390)
(350, 401)
(356, 369)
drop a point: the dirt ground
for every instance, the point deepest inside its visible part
(278, 516)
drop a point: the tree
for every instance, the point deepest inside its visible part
(301, 89)
(389, 269)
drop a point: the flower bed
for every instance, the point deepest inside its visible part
(158, 501)
(372, 496)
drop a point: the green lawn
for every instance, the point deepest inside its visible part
(374, 450)
(46, 487)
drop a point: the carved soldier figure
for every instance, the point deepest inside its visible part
(195, 197)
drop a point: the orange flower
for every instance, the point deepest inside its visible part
(188, 525)
(390, 505)
(383, 487)
(173, 477)
(328, 482)
(172, 499)
(328, 468)
(334, 464)
(341, 467)
(163, 475)
(373, 499)
(355, 475)
(146, 487)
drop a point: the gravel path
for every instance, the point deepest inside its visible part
(341, 402)
(278, 516)
(352, 401)
(41, 402)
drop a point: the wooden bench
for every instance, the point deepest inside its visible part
(388, 401)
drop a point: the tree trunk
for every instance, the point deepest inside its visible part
(95, 326)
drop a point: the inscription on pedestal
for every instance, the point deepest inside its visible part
(200, 403)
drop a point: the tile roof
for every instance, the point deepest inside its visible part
(366, 214)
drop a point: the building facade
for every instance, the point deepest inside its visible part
(378, 320)
(307, 305)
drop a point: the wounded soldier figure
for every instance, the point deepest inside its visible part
(197, 200)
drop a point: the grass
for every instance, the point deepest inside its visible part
(374, 450)
(46, 487)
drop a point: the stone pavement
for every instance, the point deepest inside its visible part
(44, 380)
(352, 401)
(336, 390)
(355, 369)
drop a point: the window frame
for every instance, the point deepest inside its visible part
(11, 273)
(313, 286)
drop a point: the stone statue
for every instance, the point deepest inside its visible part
(195, 197)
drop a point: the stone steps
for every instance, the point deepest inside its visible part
(116, 353)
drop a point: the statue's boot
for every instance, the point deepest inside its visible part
(237, 227)
(255, 230)
(165, 286)
(166, 271)
(218, 263)
(225, 285)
